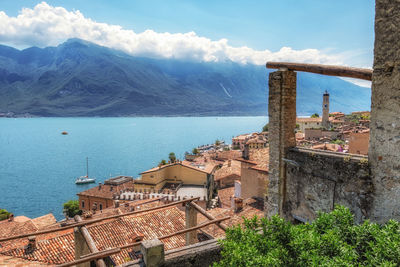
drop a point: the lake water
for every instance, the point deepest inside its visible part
(38, 165)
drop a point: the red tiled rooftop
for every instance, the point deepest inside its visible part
(104, 191)
(56, 248)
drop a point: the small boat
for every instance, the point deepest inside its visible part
(85, 179)
(64, 133)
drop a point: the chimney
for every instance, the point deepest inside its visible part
(11, 218)
(245, 153)
(30, 248)
(237, 204)
(99, 186)
(116, 204)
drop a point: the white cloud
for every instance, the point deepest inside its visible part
(46, 25)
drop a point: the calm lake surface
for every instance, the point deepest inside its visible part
(38, 165)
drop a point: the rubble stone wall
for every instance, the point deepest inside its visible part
(384, 146)
(317, 181)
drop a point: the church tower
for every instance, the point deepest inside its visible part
(325, 110)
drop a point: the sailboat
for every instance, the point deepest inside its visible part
(85, 179)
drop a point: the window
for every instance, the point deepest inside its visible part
(151, 176)
(83, 204)
(101, 206)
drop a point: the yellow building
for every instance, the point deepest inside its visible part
(184, 173)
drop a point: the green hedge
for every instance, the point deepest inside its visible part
(4, 214)
(331, 240)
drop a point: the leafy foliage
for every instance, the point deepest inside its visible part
(172, 157)
(338, 142)
(331, 240)
(4, 214)
(315, 115)
(265, 128)
(71, 207)
(163, 162)
(195, 151)
(217, 142)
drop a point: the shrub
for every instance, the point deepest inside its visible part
(315, 115)
(71, 208)
(4, 214)
(172, 157)
(333, 239)
(265, 128)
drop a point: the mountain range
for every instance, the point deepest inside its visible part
(79, 78)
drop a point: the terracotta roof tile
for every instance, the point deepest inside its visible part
(56, 248)
(105, 190)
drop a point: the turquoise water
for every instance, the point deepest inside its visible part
(38, 165)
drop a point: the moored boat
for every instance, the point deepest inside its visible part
(85, 179)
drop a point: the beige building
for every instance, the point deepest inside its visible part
(254, 174)
(309, 123)
(358, 143)
(102, 196)
(176, 173)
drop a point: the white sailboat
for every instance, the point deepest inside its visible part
(85, 179)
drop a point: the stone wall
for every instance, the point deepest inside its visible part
(317, 181)
(384, 146)
(282, 122)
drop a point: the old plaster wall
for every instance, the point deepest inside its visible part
(384, 146)
(317, 181)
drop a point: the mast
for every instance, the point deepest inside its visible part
(87, 167)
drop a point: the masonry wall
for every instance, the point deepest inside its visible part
(254, 183)
(317, 181)
(358, 143)
(384, 146)
(89, 201)
(282, 122)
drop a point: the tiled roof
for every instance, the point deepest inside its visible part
(226, 170)
(261, 157)
(104, 191)
(44, 221)
(8, 261)
(250, 209)
(308, 120)
(208, 167)
(58, 247)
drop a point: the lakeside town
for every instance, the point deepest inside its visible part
(228, 180)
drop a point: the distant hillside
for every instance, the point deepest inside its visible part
(78, 78)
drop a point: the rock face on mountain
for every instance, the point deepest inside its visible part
(78, 78)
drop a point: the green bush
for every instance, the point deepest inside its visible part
(71, 207)
(4, 214)
(331, 240)
(265, 128)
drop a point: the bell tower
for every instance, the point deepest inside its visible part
(325, 110)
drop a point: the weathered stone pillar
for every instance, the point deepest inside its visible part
(190, 221)
(153, 252)
(384, 145)
(282, 124)
(81, 247)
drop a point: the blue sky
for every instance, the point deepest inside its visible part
(338, 29)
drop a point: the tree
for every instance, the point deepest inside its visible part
(333, 239)
(172, 157)
(265, 128)
(217, 142)
(163, 162)
(195, 151)
(297, 126)
(315, 115)
(71, 208)
(4, 214)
